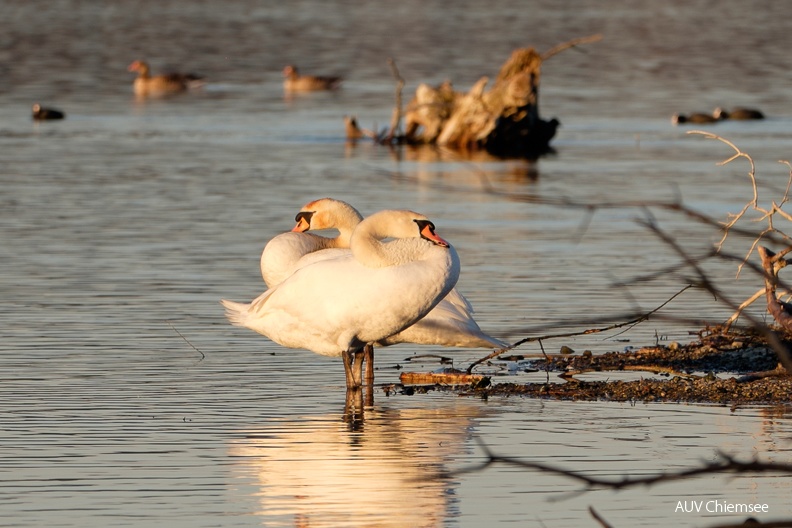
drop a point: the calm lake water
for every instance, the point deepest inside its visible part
(126, 399)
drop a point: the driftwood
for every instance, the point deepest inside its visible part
(440, 378)
(503, 121)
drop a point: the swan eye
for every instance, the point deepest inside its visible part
(304, 215)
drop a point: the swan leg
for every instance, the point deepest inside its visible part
(353, 368)
(353, 408)
(357, 368)
(368, 352)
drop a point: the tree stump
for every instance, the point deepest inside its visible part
(503, 120)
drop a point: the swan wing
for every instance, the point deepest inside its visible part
(282, 253)
(447, 324)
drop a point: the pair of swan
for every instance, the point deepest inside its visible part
(450, 324)
(337, 296)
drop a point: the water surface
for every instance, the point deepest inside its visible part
(123, 225)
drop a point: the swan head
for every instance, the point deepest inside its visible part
(327, 213)
(392, 223)
(427, 230)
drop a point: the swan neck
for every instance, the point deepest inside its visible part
(369, 250)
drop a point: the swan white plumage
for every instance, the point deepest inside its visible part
(338, 305)
(283, 253)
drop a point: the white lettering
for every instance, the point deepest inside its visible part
(722, 506)
(688, 507)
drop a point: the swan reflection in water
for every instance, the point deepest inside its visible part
(321, 471)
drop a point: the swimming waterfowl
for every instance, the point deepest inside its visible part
(294, 82)
(147, 85)
(42, 114)
(741, 114)
(335, 307)
(695, 118)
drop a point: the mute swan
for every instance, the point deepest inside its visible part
(450, 323)
(282, 255)
(335, 307)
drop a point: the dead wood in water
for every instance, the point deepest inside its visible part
(440, 378)
(503, 120)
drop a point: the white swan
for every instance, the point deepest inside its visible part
(450, 323)
(338, 305)
(282, 255)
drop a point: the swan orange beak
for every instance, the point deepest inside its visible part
(303, 220)
(301, 226)
(427, 232)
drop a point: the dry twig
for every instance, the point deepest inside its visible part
(632, 322)
(725, 464)
(397, 110)
(571, 44)
(773, 340)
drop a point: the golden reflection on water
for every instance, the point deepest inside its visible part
(325, 471)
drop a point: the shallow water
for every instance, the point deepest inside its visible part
(123, 225)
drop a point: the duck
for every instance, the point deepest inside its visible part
(294, 82)
(147, 85)
(42, 114)
(450, 323)
(335, 307)
(352, 130)
(741, 114)
(696, 118)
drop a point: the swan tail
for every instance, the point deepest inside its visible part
(236, 313)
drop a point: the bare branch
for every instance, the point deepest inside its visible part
(725, 464)
(571, 44)
(772, 338)
(599, 518)
(632, 322)
(397, 110)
